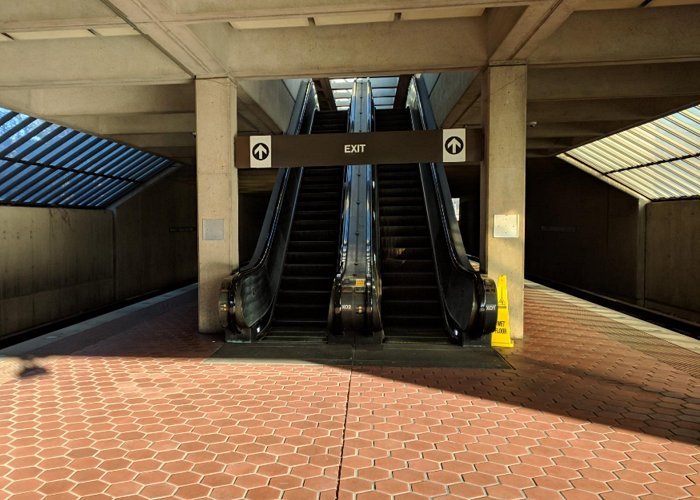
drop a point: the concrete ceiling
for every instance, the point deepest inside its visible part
(125, 69)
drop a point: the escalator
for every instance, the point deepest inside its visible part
(359, 253)
(301, 311)
(411, 308)
(284, 292)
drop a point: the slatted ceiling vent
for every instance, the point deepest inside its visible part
(659, 160)
(44, 164)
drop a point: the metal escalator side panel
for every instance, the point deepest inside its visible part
(466, 295)
(302, 306)
(246, 297)
(354, 278)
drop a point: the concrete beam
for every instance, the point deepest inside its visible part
(632, 110)
(86, 61)
(557, 144)
(398, 47)
(185, 154)
(502, 28)
(224, 10)
(449, 89)
(118, 100)
(155, 123)
(604, 82)
(151, 141)
(174, 40)
(467, 109)
(551, 18)
(587, 129)
(269, 100)
(56, 14)
(623, 36)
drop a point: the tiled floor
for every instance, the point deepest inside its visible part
(595, 408)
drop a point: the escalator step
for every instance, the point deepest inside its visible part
(413, 323)
(296, 310)
(309, 282)
(409, 292)
(300, 323)
(408, 265)
(309, 215)
(407, 253)
(305, 333)
(318, 204)
(317, 298)
(398, 192)
(405, 279)
(301, 310)
(313, 235)
(310, 187)
(321, 196)
(318, 174)
(406, 307)
(311, 257)
(330, 224)
(312, 246)
(405, 220)
(406, 241)
(389, 231)
(401, 201)
(398, 210)
(401, 182)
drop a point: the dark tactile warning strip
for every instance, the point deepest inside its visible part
(141, 414)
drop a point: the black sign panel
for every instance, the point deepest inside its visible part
(362, 148)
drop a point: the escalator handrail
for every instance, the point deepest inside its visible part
(459, 323)
(373, 243)
(458, 253)
(344, 237)
(304, 104)
(344, 216)
(269, 225)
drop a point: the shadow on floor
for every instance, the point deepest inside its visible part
(650, 397)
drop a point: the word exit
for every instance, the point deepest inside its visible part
(354, 148)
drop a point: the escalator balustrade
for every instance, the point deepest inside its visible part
(303, 301)
(410, 306)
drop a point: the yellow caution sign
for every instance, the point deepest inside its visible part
(501, 337)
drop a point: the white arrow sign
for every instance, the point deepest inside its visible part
(453, 145)
(260, 151)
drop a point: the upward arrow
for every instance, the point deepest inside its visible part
(454, 145)
(261, 151)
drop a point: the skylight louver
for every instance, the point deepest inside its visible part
(45, 164)
(659, 160)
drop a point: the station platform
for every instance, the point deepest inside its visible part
(137, 404)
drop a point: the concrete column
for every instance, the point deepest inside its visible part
(640, 288)
(504, 103)
(217, 193)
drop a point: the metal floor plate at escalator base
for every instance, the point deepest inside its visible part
(385, 355)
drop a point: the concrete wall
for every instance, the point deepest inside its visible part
(584, 233)
(580, 231)
(672, 256)
(155, 236)
(273, 97)
(446, 89)
(56, 263)
(53, 263)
